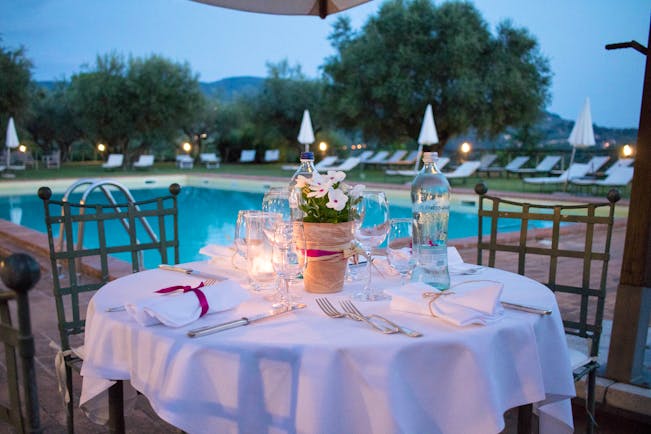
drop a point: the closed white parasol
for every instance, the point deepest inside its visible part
(428, 135)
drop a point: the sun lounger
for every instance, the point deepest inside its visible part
(394, 158)
(211, 160)
(513, 165)
(620, 177)
(408, 160)
(597, 163)
(184, 161)
(271, 155)
(485, 162)
(545, 166)
(622, 162)
(247, 156)
(144, 162)
(466, 170)
(364, 156)
(440, 163)
(330, 160)
(348, 164)
(378, 158)
(114, 161)
(576, 170)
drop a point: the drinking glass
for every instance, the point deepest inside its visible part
(288, 260)
(276, 199)
(260, 228)
(399, 252)
(371, 226)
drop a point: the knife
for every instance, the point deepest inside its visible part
(241, 322)
(191, 272)
(525, 308)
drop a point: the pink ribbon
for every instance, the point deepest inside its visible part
(315, 253)
(203, 301)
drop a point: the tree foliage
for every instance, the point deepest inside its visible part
(15, 81)
(131, 105)
(413, 53)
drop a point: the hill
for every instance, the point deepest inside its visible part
(230, 88)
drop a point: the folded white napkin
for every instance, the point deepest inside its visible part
(475, 302)
(179, 309)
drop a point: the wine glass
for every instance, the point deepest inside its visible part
(276, 199)
(371, 226)
(399, 253)
(288, 259)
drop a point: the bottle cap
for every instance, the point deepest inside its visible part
(307, 155)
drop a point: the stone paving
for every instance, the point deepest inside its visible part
(143, 419)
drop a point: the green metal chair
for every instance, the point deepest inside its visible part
(539, 252)
(80, 267)
(19, 272)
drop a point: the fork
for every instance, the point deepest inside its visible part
(120, 308)
(349, 307)
(332, 312)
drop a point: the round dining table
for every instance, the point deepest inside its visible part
(305, 372)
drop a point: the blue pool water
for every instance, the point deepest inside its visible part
(206, 216)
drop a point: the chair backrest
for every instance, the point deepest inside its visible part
(379, 157)
(622, 162)
(247, 156)
(53, 159)
(410, 158)
(90, 234)
(209, 158)
(442, 162)
(619, 177)
(597, 163)
(327, 161)
(576, 170)
(467, 168)
(20, 272)
(145, 160)
(271, 155)
(548, 163)
(577, 246)
(486, 160)
(115, 160)
(517, 162)
(349, 164)
(364, 156)
(396, 156)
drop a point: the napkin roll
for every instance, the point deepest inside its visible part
(179, 309)
(471, 302)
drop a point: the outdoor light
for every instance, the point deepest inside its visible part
(101, 147)
(627, 151)
(22, 148)
(465, 147)
(187, 147)
(323, 146)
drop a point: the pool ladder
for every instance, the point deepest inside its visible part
(103, 185)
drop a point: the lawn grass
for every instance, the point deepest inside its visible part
(93, 169)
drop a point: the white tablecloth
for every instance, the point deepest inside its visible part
(304, 372)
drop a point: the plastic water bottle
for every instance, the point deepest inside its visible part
(307, 170)
(430, 205)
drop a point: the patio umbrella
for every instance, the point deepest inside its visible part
(582, 135)
(306, 134)
(11, 140)
(321, 8)
(428, 135)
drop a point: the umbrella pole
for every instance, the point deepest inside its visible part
(567, 179)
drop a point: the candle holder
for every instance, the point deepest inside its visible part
(260, 228)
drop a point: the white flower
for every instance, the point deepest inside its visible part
(336, 199)
(301, 181)
(319, 186)
(335, 176)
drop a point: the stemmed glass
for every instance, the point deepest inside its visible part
(399, 252)
(371, 227)
(240, 238)
(288, 260)
(276, 199)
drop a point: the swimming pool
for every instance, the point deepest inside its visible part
(207, 215)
